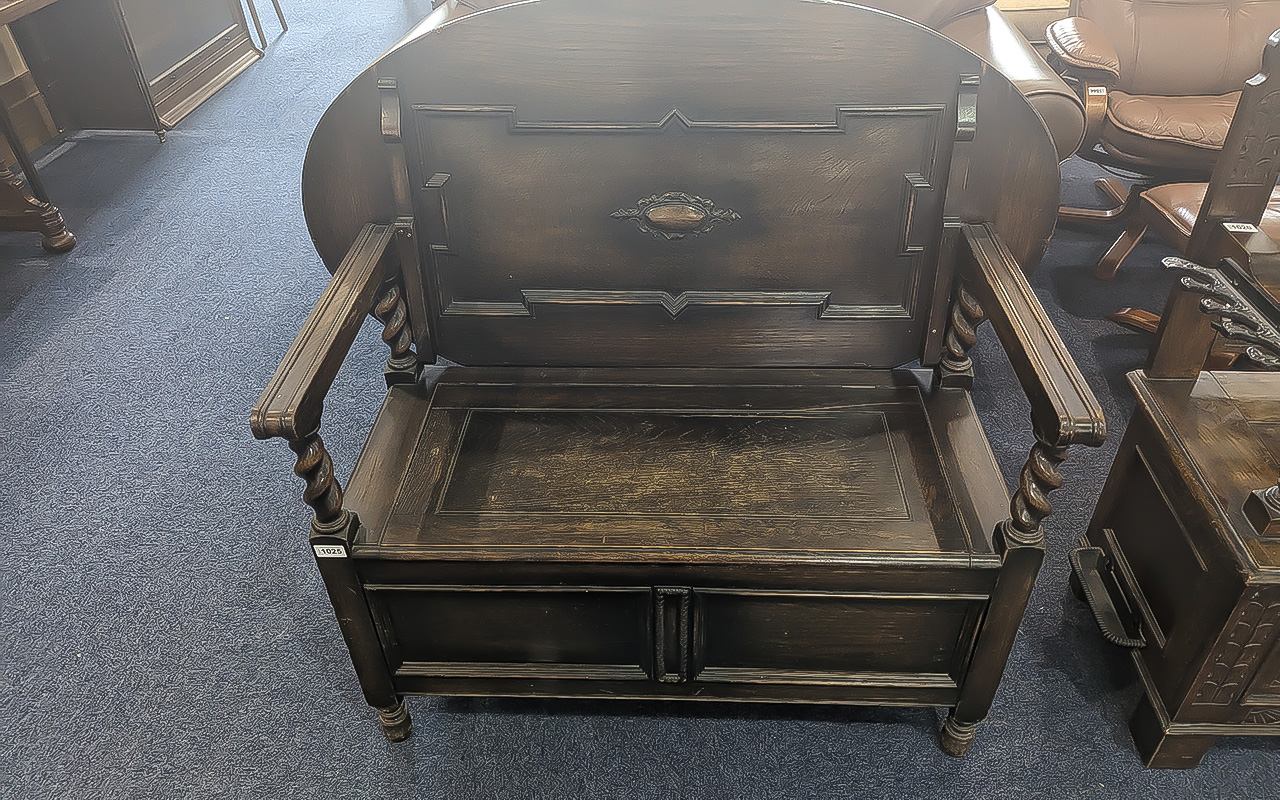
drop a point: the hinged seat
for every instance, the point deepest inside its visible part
(713, 271)
(509, 464)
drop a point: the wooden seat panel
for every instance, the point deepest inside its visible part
(595, 467)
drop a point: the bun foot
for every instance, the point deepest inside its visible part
(957, 737)
(59, 243)
(396, 723)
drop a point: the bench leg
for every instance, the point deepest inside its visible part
(1021, 542)
(332, 530)
(957, 736)
(396, 722)
(995, 641)
(356, 622)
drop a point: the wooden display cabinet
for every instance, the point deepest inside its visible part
(133, 64)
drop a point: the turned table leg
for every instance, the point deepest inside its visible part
(27, 208)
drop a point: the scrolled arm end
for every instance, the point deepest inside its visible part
(1087, 427)
(290, 406)
(272, 421)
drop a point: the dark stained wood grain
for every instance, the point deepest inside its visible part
(696, 261)
(611, 462)
(347, 151)
(1203, 581)
(598, 469)
(1063, 408)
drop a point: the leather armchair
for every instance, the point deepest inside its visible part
(1241, 192)
(1160, 79)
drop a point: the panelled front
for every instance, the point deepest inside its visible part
(676, 640)
(724, 220)
(1154, 544)
(516, 631)
(1208, 616)
(832, 638)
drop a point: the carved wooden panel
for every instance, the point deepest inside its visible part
(1264, 689)
(825, 638)
(596, 235)
(1246, 638)
(1246, 173)
(624, 198)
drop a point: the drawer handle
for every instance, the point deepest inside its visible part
(1093, 577)
(675, 215)
(671, 633)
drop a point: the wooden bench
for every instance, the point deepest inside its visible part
(714, 270)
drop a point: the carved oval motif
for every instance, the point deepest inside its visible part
(675, 217)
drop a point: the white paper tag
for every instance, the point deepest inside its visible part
(1240, 227)
(1097, 90)
(329, 550)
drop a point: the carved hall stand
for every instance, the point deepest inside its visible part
(715, 269)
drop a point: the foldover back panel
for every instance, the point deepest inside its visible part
(728, 182)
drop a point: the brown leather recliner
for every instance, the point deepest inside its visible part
(1161, 78)
(975, 24)
(1241, 192)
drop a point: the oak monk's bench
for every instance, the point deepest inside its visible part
(713, 271)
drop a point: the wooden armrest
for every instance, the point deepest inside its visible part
(1063, 409)
(290, 406)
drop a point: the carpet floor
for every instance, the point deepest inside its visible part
(165, 632)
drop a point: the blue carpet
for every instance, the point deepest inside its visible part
(164, 631)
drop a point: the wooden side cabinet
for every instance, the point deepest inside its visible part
(133, 64)
(1174, 567)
